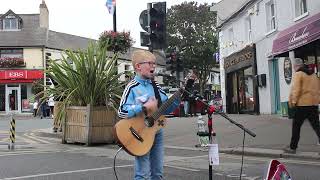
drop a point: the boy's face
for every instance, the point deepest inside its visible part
(146, 68)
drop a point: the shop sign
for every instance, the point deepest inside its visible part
(21, 74)
(15, 74)
(287, 70)
(297, 35)
(240, 59)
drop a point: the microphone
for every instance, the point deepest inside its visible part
(162, 74)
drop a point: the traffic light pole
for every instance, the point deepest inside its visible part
(114, 19)
(149, 6)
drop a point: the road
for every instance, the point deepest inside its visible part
(26, 128)
(74, 162)
(52, 160)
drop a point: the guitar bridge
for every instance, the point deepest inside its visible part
(135, 134)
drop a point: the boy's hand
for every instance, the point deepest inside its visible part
(151, 103)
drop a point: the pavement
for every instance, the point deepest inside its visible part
(273, 133)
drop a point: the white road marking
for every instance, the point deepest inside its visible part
(64, 172)
(30, 152)
(36, 139)
(265, 159)
(182, 168)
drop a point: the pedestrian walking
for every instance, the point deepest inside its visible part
(51, 105)
(35, 108)
(44, 107)
(304, 99)
(190, 78)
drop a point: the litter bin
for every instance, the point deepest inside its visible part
(286, 111)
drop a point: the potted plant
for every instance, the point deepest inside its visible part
(88, 91)
(117, 41)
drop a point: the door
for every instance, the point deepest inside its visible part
(276, 86)
(13, 99)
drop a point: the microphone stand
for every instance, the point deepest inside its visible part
(212, 134)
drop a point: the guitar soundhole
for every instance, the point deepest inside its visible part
(149, 122)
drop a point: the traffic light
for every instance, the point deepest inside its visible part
(153, 21)
(48, 56)
(157, 24)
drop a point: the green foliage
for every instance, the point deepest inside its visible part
(192, 29)
(37, 86)
(85, 77)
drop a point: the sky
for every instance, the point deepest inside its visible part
(89, 18)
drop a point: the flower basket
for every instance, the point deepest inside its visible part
(7, 62)
(116, 41)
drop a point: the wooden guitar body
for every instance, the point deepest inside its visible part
(135, 137)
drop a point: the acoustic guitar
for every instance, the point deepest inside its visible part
(136, 135)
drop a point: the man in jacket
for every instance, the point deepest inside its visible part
(304, 98)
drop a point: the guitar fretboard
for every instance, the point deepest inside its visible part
(156, 115)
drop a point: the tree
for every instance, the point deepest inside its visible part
(191, 28)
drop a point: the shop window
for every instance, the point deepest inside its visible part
(25, 103)
(271, 16)
(300, 7)
(2, 97)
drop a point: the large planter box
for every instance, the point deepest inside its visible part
(88, 125)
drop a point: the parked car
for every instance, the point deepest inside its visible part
(201, 108)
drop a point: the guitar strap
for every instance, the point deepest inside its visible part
(156, 93)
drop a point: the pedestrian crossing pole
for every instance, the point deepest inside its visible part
(12, 133)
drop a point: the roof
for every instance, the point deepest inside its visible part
(31, 35)
(227, 8)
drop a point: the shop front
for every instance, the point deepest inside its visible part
(301, 40)
(242, 92)
(15, 90)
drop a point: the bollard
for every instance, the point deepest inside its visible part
(12, 133)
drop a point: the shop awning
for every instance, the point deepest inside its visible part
(297, 35)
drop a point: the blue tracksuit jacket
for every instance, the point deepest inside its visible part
(136, 93)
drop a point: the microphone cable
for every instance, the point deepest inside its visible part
(114, 163)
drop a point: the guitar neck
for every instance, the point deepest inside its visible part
(166, 105)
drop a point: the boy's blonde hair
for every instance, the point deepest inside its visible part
(140, 56)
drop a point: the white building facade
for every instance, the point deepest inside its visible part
(258, 41)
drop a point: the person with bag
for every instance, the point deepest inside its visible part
(140, 95)
(304, 99)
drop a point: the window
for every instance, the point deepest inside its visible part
(212, 77)
(231, 36)
(271, 16)
(11, 53)
(300, 7)
(126, 67)
(10, 22)
(248, 29)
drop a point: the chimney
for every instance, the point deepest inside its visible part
(44, 15)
